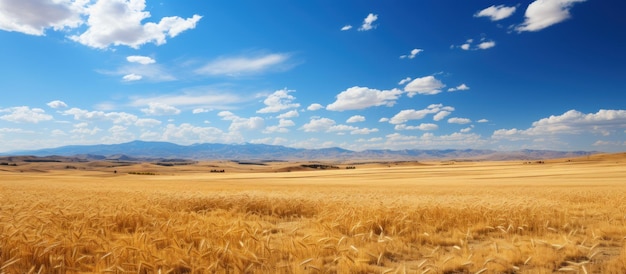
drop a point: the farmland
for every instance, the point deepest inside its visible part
(561, 215)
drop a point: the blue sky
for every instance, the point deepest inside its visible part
(504, 75)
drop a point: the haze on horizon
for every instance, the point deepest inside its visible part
(544, 74)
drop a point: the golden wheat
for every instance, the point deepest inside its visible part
(449, 219)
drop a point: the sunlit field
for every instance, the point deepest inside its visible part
(435, 217)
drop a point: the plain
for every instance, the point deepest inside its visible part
(561, 215)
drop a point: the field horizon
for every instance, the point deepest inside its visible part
(561, 215)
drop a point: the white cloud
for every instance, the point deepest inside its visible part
(440, 115)
(160, 109)
(482, 121)
(483, 45)
(35, 16)
(368, 22)
(144, 60)
(235, 66)
(132, 77)
(412, 114)
(279, 100)
(318, 125)
(188, 134)
(541, 14)
(57, 104)
(404, 81)
(363, 131)
(115, 117)
(199, 110)
(461, 121)
(427, 85)
(282, 126)
(414, 52)
(25, 114)
(363, 97)
(356, 119)
(467, 129)
(314, 107)
(202, 97)
(487, 45)
(238, 123)
(423, 126)
(83, 129)
(289, 114)
(147, 122)
(496, 13)
(429, 140)
(346, 27)
(604, 122)
(459, 87)
(119, 22)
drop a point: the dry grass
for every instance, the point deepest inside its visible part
(463, 218)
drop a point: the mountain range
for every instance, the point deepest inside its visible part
(209, 151)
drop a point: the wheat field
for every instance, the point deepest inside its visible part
(562, 216)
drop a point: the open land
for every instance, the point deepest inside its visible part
(561, 215)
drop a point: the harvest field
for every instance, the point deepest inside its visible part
(563, 216)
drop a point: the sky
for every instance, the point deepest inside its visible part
(373, 74)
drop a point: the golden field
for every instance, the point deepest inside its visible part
(562, 216)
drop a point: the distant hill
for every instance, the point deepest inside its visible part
(207, 151)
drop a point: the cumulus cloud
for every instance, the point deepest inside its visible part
(314, 107)
(356, 119)
(482, 121)
(427, 85)
(160, 109)
(368, 22)
(459, 87)
(429, 140)
(239, 123)
(201, 97)
(541, 14)
(440, 115)
(404, 81)
(187, 134)
(234, 66)
(199, 110)
(461, 121)
(132, 77)
(363, 97)
(144, 60)
(383, 120)
(603, 122)
(346, 27)
(115, 117)
(412, 114)
(278, 101)
(57, 104)
(25, 114)
(423, 126)
(147, 122)
(318, 125)
(289, 114)
(83, 129)
(412, 54)
(467, 129)
(487, 45)
(482, 45)
(33, 17)
(119, 22)
(282, 126)
(496, 13)
(363, 131)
